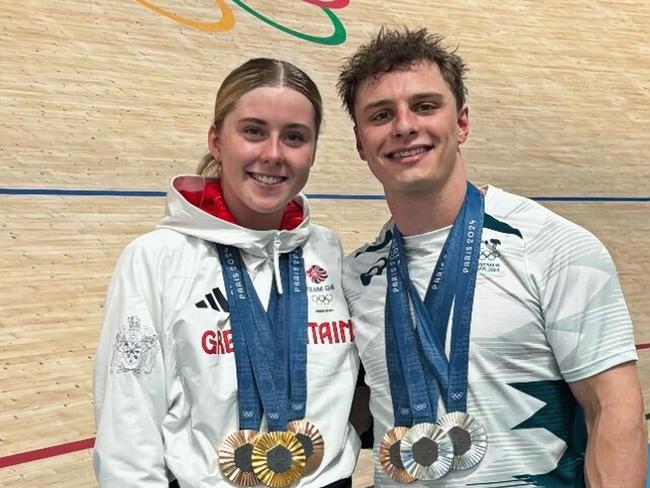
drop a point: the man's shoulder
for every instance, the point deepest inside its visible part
(508, 212)
(515, 214)
(379, 247)
(543, 232)
(369, 260)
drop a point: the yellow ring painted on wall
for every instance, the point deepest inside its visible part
(225, 24)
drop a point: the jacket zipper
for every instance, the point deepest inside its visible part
(276, 261)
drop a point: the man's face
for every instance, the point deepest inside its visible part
(409, 129)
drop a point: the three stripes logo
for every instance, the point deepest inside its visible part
(214, 300)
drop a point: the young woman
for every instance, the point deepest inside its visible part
(226, 356)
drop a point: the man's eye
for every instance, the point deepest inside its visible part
(380, 116)
(425, 107)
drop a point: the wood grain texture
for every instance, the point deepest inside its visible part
(110, 95)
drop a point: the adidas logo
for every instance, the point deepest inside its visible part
(214, 300)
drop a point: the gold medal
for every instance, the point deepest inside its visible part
(278, 459)
(235, 458)
(390, 458)
(312, 442)
(427, 452)
(468, 437)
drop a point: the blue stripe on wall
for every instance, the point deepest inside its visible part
(67, 192)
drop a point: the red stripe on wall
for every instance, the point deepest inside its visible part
(47, 452)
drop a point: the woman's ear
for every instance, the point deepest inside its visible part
(214, 142)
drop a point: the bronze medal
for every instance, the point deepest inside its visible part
(235, 458)
(468, 437)
(312, 442)
(390, 457)
(278, 459)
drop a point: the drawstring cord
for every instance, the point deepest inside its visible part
(276, 262)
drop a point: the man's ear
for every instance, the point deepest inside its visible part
(463, 124)
(214, 142)
(362, 155)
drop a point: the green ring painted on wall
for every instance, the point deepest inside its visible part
(338, 37)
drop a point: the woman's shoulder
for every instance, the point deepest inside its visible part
(321, 231)
(158, 239)
(158, 244)
(320, 235)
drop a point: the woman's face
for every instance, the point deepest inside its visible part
(266, 147)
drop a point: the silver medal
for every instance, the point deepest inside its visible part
(468, 437)
(427, 452)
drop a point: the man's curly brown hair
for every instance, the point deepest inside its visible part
(393, 49)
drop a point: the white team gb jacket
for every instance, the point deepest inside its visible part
(165, 378)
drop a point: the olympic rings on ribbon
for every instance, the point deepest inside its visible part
(338, 37)
(225, 24)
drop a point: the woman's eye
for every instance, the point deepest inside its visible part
(295, 137)
(253, 131)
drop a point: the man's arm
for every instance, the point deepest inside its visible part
(616, 450)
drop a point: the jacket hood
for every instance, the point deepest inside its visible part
(182, 216)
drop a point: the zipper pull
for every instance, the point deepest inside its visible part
(276, 262)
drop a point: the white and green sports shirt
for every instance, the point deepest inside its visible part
(548, 310)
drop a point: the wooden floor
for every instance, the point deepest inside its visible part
(113, 95)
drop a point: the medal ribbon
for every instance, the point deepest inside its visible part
(257, 354)
(250, 407)
(291, 308)
(467, 260)
(409, 392)
(453, 281)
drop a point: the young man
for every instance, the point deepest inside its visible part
(484, 321)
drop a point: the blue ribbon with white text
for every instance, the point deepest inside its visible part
(270, 348)
(417, 364)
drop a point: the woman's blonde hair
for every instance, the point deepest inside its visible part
(256, 73)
